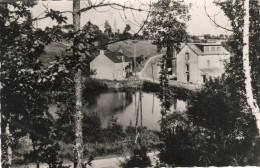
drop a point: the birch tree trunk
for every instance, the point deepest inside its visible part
(78, 88)
(9, 148)
(247, 69)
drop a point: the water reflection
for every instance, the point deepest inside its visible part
(144, 110)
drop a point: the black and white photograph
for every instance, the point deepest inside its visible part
(129, 83)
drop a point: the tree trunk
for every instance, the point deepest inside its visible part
(141, 109)
(247, 69)
(78, 89)
(9, 149)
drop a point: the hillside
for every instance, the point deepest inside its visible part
(51, 51)
(143, 47)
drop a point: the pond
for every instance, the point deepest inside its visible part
(124, 106)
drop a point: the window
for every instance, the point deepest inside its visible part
(218, 49)
(208, 64)
(206, 49)
(212, 49)
(188, 76)
(204, 78)
(187, 68)
(187, 56)
(221, 63)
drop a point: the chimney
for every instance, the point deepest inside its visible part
(101, 52)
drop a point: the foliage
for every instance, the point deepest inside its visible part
(24, 85)
(100, 38)
(216, 130)
(92, 130)
(126, 33)
(93, 86)
(167, 24)
(164, 94)
(150, 86)
(235, 44)
(138, 157)
(113, 131)
(230, 125)
(108, 28)
(182, 141)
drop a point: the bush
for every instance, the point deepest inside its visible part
(151, 87)
(138, 158)
(219, 130)
(180, 141)
(93, 86)
(114, 131)
(92, 130)
(230, 125)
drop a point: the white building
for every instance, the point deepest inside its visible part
(196, 62)
(111, 65)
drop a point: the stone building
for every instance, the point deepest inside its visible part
(112, 66)
(196, 62)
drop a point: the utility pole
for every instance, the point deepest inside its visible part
(134, 42)
(78, 150)
(152, 72)
(141, 108)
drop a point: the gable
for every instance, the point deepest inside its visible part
(185, 49)
(102, 59)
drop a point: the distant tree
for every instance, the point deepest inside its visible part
(100, 39)
(207, 36)
(126, 33)
(146, 34)
(108, 29)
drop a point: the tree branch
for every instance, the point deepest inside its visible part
(213, 20)
(111, 4)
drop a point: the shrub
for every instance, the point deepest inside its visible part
(114, 131)
(219, 130)
(151, 87)
(231, 127)
(92, 130)
(138, 158)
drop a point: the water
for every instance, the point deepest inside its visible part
(123, 105)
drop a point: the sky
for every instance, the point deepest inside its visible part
(198, 25)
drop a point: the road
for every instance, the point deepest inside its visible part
(113, 162)
(151, 71)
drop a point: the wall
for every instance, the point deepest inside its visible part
(181, 65)
(215, 61)
(119, 70)
(103, 66)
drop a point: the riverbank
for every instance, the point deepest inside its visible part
(177, 89)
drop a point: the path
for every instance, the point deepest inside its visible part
(151, 69)
(98, 163)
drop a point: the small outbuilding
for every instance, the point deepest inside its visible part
(112, 66)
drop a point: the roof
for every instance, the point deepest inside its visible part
(116, 57)
(197, 48)
(214, 72)
(208, 44)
